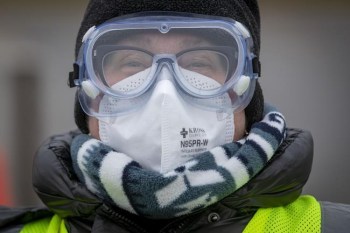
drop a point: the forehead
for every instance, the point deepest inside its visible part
(164, 43)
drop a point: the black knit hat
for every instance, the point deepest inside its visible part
(243, 11)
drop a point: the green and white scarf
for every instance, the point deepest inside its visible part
(206, 179)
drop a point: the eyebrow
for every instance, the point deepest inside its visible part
(191, 42)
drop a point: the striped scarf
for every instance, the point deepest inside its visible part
(206, 179)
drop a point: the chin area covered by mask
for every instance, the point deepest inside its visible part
(167, 130)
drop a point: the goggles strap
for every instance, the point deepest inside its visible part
(73, 77)
(256, 66)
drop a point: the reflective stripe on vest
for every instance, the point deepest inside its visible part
(53, 224)
(302, 215)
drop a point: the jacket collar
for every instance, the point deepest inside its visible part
(279, 183)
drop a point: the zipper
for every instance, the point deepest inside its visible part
(122, 220)
(179, 226)
(126, 223)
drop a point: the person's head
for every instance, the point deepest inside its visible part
(243, 11)
(171, 78)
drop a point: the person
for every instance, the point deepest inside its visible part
(5, 187)
(174, 134)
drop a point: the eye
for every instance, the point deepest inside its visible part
(197, 64)
(134, 64)
(191, 61)
(209, 63)
(120, 64)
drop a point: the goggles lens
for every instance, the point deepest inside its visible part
(207, 62)
(122, 63)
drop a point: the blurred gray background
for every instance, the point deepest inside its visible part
(305, 59)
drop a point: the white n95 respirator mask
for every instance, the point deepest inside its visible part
(167, 130)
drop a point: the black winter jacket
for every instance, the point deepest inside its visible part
(278, 184)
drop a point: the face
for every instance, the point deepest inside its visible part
(126, 64)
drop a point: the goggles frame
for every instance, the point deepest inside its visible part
(248, 63)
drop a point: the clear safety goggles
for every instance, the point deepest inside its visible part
(210, 60)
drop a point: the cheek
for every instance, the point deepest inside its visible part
(94, 128)
(239, 122)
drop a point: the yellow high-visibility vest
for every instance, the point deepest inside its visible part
(53, 224)
(302, 215)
